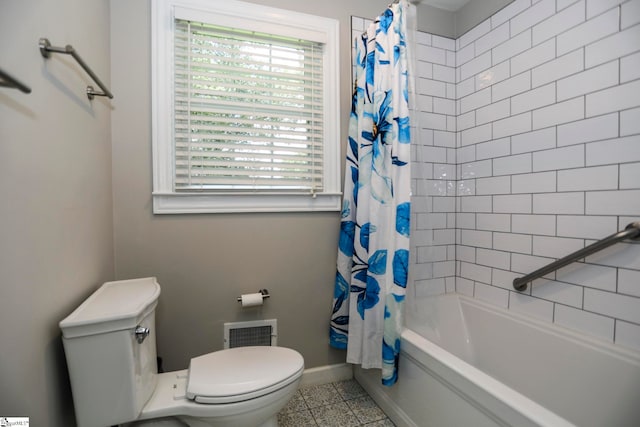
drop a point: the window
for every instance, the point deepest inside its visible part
(245, 109)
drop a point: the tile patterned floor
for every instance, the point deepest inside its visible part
(339, 404)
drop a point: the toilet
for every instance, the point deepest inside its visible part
(110, 347)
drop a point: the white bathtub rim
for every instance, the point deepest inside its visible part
(442, 360)
(599, 344)
(425, 353)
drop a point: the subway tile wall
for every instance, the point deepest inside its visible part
(528, 149)
(434, 173)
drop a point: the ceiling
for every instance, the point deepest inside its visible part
(450, 5)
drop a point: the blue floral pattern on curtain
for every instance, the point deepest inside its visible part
(373, 254)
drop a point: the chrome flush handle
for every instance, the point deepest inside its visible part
(141, 333)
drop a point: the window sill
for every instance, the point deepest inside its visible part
(190, 203)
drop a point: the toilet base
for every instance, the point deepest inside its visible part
(194, 422)
(271, 422)
(168, 407)
(175, 422)
(159, 422)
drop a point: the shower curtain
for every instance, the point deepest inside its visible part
(373, 255)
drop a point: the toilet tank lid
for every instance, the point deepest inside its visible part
(115, 305)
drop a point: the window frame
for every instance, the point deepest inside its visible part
(238, 14)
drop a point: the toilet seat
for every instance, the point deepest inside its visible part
(241, 373)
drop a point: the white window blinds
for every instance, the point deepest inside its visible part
(248, 110)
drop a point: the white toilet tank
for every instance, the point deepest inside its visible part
(112, 368)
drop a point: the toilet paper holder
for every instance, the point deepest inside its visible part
(264, 292)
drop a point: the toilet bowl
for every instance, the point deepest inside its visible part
(109, 343)
(237, 387)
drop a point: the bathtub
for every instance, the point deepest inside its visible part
(466, 363)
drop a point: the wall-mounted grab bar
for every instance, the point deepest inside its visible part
(631, 231)
(6, 80)
(46, 48)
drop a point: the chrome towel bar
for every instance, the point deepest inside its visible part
(631, 231)
(46, 49)
(6, 80)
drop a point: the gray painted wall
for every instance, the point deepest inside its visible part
(55, 186)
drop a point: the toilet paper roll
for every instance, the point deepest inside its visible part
(251, 300)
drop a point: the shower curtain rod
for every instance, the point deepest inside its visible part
(46, 48)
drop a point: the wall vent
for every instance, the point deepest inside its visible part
(256, 332)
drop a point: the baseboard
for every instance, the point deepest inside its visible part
(327, 374)
(371, 383)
